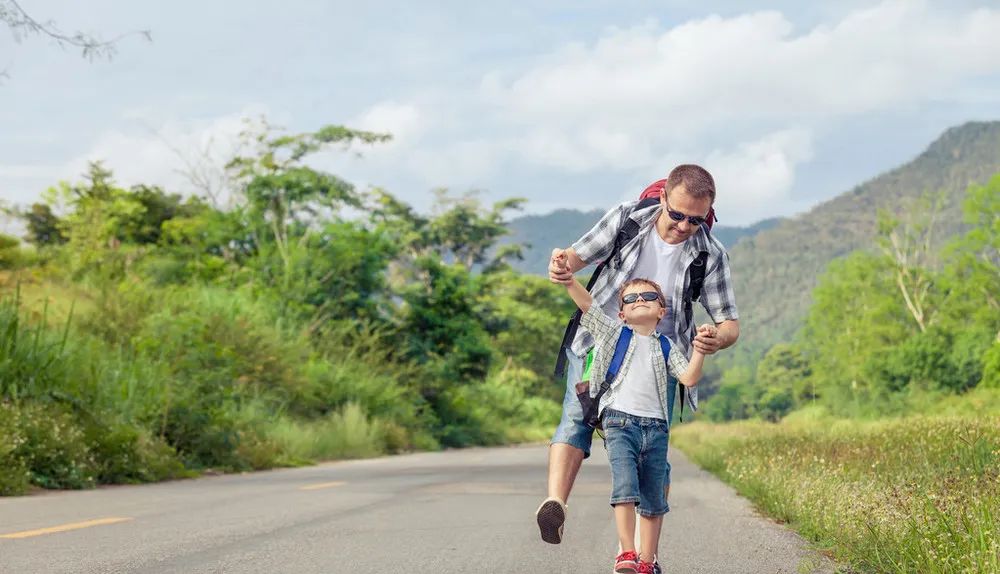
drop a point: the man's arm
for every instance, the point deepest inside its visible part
(727, 332)
(595, 245)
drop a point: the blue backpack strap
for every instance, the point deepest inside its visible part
(591, 416)
(619, 357)
(665, 347)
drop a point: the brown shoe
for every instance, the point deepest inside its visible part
(551, 516)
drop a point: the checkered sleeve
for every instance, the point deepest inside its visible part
(717, 292)
(677, 363)
(596, 244)
(598, 324)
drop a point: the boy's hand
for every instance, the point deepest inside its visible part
(706, 339)
(559, 268)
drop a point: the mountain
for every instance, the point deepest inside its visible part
(541, 233)
(775, 270)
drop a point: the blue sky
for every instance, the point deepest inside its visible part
(569, 104)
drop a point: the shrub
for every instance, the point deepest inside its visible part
(54, 449)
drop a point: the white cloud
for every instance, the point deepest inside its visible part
(754, 180)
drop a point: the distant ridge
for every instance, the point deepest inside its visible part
(775, 270)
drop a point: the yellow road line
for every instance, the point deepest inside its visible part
(64, 527)
(323, 485)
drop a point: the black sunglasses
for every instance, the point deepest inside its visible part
(630, 298)
(678, 216)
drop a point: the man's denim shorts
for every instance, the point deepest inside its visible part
(571, 429)
(637, 451)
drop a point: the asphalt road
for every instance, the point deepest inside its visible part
(457, 511)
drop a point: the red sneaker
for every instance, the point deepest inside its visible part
(644, 568)
(626, 562)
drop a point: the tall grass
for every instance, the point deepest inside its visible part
(915, 494)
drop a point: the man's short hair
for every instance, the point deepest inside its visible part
(641, 281)
(697, 182)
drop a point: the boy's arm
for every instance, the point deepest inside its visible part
(580, 295)
(692, 374)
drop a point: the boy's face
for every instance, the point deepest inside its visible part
(641, 310)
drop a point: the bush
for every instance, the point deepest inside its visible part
(347, 433)
(14, 475)
(55, 449)
(127, 454)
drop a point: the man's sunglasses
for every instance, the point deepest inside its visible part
(630, 298)
(678, 216)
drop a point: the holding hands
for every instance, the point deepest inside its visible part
(706, 340)
(559, 270)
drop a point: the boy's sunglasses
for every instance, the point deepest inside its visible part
(678, 216)
(630, 298)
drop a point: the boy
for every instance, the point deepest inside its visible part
(633, 411)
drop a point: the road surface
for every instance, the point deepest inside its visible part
(448, 512)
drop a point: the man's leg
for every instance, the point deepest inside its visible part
(564, 464)
(569, 446)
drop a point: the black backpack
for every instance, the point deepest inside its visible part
(628, 231)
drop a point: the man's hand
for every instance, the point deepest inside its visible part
(706, 339)
(559, 271)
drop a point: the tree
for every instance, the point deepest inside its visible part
(283, 196)
(854, 319)
(22, 24)
(43, 226)
(907, 241)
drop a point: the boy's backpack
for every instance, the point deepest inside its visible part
(696, 272)
(591, 405)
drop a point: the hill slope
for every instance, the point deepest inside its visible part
(775, 270)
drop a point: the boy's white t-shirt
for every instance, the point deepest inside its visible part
(657, 260)
(638, 394)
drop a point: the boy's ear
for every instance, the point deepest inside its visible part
(621, 315)
(662, 313)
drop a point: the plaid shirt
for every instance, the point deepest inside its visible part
(605, 332)
(716, 294)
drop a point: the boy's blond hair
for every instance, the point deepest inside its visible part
(641, 281)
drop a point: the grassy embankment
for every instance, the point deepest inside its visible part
(136, 385)
(914, 494)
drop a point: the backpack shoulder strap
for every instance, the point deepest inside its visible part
(627, 232)
(665, 347)
(620, 349)
(696, 279)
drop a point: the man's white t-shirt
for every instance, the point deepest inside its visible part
(657, 261)
(638, 395)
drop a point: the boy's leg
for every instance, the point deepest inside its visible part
(649, 537)
(653, 475)
(569, 446)
(625, 523)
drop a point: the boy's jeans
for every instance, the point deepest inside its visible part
(637, 451)
(571, 429)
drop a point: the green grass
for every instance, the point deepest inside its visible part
(914, 494)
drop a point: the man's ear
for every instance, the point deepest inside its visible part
(621, 315)
(662, 312)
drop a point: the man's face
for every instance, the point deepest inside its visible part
(678, 201)
(641, 308)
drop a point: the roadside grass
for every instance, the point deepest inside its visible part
(913, 494)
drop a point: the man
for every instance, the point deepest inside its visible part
(671, 234)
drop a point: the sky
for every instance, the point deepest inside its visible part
(569, 104)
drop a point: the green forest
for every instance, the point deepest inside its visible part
(145, 335)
